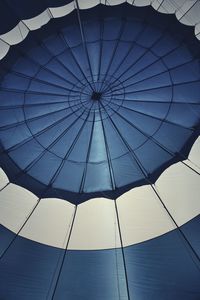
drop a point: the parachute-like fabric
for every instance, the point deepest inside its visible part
(99, 151)
(120, 95)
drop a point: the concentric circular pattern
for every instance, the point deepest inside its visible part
(99, 97)
(99, 112)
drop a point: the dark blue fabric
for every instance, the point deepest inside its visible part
(165, 267)
(58, 141)
(162, 268)
(13, 11)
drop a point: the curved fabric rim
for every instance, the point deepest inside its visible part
(12, 12)
(186, 12)
(38, 187)
(141, 214)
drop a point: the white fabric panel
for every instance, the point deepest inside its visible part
(87, 4)
(50, 222)
(4, 48)
(95, 226)
(168, 6)
(140, 2)
(142, 216)
(114, 2)
(39, 21)
(179, 188)
(189, 14)
(3, 179)
(15, 205)
(58, 12)
(16, 35)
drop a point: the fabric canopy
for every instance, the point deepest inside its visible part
(99, 150)
(111, 91)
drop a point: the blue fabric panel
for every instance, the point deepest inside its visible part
(53, 79)
(184, 116)
(45, 173)
(6, 236)
(186, 73)
(55, 45)
(92, 31)
(173, 140)
(98, 147)
(126, 170)
(136, 65)
(64, 70)
(130, 32)
(98, 177)
(165, 45)
(94, 52)
(156, 110)
(178, 56)
(26, 66)
(107, 51)
(149, 36)
(163, 94)
(11, 116)
(146, 152)
(11, 137)
(43, 87)
(63, 145)
(82, 143)
(92, 275)
(26, 270)
(70, 177)
(33, 111)
(190, 90)
(46, 121)
(13, 81)
(15, 98)
(191, 230)
(164, 267)
(22, 150)
(131, 123)
(113, 139)
(151, 70)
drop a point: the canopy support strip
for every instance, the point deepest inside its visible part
(83, 37)
(122, 248)
(21, 228)
(65, 253)
(182, 234)
(25, 222)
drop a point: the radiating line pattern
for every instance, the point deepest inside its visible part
(99, 105)
(99, 117)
